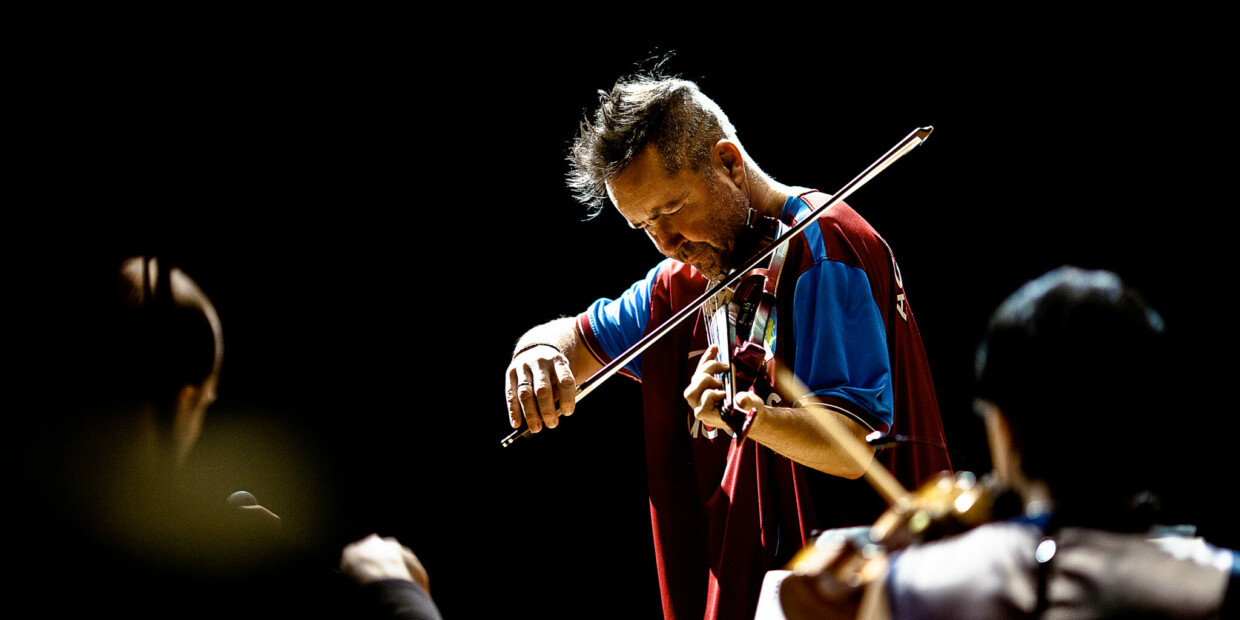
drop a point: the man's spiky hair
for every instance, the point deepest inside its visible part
(670, 113)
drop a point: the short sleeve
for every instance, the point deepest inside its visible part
(611, 326)
(841, 343)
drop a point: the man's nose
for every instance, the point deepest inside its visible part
(665, 238)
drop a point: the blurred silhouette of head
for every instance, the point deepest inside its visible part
(1074, 365)
(146, 363)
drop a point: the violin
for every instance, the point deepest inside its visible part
(737, 323)
(736, 275)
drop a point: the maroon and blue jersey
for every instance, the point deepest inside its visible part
(841, 347)
(724, 513)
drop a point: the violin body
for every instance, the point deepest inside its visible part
(738, 322)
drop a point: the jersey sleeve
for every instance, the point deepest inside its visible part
(841, 343)
(397, 599)
(610, 326)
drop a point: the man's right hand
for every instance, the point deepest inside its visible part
(540, 387)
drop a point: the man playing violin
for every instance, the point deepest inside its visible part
(725, 510)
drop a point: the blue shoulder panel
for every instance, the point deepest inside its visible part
(841, 341)
(619, 323)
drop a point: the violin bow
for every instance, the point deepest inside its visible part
(912, 140)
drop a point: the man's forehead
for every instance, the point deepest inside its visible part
(645, 186)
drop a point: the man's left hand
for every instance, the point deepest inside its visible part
(705, 392)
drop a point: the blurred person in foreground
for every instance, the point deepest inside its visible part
(126, 360)
(125, 363)
(1072, 365)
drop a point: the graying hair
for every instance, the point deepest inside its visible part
(672, 114)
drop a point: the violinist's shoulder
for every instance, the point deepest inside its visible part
(998, 542)
(984, 571)
(991, 570)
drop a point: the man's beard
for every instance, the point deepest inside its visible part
(715, 258)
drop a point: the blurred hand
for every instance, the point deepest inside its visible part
(376, 559)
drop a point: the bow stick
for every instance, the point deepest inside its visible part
(916, 137)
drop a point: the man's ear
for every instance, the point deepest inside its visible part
(727, 157)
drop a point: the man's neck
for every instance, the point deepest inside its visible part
(768, 195)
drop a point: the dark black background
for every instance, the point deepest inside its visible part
(378, 215)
